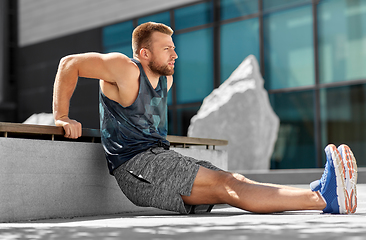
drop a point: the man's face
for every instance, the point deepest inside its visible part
(163, 54)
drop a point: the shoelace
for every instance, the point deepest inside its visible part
(324, 177)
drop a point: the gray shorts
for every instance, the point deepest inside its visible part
(158, 177)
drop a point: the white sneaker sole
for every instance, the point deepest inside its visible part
(340, 179)
(350, 173)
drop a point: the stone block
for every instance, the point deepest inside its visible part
(219, 158)
(240, 112)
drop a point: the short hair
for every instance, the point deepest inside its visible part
(141, 36)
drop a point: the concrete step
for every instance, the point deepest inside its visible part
(293, 176)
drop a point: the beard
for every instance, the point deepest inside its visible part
(162, 70)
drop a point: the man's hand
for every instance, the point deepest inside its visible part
(72, 128)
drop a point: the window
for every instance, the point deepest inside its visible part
(183, 117)
(269, 5)
(288, 48)
(117, 38)
(193, 16)
(343, 118)
(194, 67)
(295, 146)
(237, 8)
(159, 18)
(238, 40)
(342, 40)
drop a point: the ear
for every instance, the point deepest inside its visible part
(144, 53)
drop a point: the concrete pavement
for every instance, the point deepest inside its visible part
(223, 222)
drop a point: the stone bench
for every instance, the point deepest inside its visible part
(44, 175)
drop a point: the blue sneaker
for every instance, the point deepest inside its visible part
(332, 183)
(350, 167)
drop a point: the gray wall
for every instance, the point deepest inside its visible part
(42, 20)
(4, 45)
(7, 56)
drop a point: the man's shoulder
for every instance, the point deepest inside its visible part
(121, 64)
(118, 58)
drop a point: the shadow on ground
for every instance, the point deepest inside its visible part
(224, 223)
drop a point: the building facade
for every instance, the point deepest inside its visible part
(312, 55)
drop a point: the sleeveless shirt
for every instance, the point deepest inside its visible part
(128, 131)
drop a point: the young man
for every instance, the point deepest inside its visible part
(133, 117)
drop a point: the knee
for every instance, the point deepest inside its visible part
(243, 179)
(228, 183)
(239, 177)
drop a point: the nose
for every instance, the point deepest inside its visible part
(175, 55)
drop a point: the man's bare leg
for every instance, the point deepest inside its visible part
(244, 179)
(218, 187)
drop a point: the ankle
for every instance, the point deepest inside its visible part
(319, 201)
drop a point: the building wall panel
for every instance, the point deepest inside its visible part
(47, 19)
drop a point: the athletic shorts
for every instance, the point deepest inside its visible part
(158, 177)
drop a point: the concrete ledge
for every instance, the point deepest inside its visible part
(293, 176)
(42, 179)
(51, 179)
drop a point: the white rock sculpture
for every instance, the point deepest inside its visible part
(40, 119)
(240, 112)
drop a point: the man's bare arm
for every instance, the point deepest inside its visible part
(90, 65)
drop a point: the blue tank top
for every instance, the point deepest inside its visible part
(128, 131)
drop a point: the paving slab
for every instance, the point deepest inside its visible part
(224, 222)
